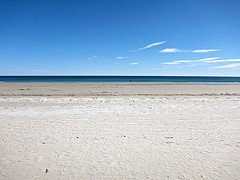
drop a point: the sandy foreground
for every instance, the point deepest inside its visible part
(117, 89)
(119, 131)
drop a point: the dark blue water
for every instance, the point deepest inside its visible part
(117, 79)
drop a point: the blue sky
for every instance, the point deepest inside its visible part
(127, 37)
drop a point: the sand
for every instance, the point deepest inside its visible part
(118, 89)
(119, 131)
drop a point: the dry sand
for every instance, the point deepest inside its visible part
(117, 89)
(119, 131)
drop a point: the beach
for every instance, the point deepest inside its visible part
(82, 89)
(119, 130)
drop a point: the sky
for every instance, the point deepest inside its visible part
(125, 37)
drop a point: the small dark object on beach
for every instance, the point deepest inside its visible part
(77, 136)
(46, 171)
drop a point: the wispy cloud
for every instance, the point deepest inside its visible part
(134, 63)
(31, 70)
(183, 61)
(208, 59)
(122, 57)
(178, 62)
(204, 50)
(150, 46)
(222, 60)
(231, 66)
(93, 57)
(172, 50)
(170, 63)
(205, 60)
(192, 65)
(175, 50)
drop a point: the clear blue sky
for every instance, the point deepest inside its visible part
(125, 37)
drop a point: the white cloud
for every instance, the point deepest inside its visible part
(204, 50)
(178, 62)
(93, 57)
(122, 57)
(172, 50)
(223, 60)
(150, 45)
(30, 70)
(192, 61)
(236, 65)
(134, 63)
(192, 65)
(208, 59)
(175, 50)
(183, 61)
(170, 63)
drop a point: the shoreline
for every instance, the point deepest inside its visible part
(80, 89)
(132, 82)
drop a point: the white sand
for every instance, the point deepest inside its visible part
(171, 137)
(118, 89)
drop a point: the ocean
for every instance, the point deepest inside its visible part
(119, 79)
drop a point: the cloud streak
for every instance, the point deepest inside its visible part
(150, 46)
(175, 50)
(122, 57)
(229, 66)
(205, 60)
(223, 60)
(172, 50)
(134, 63)
(93, 57)
(30, 70)
(208, 60)
(170, 63)
(204, 50)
